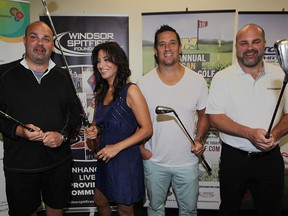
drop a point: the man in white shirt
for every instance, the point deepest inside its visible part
(241, 102)
(169, 156)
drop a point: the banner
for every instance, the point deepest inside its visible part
(78, 35)
(207, 45)
(274, 25)
(14, 18)
(276, 28)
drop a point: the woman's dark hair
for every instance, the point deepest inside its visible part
(117, 56)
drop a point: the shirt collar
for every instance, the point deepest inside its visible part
(51, 64)
(239, 70)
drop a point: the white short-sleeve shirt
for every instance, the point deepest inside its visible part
(247, 101)
(169, 144)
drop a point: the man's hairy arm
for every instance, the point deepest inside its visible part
(255, 135)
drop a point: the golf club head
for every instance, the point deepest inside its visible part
(163, 110)
(281, 50)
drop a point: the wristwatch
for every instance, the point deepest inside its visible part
(64, 138)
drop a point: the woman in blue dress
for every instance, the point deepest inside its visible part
(123, 118)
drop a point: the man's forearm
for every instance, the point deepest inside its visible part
(281, 129)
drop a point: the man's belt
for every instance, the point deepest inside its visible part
(252, 154)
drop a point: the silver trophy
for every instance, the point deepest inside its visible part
(281, 50)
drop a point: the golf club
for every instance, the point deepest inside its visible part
(86, 122)
(163, 110)
(16, 121)
(281, 50)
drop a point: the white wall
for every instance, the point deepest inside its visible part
(134, 8)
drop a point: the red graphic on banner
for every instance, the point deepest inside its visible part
(202, 24)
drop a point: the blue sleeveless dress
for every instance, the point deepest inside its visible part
(121, 180)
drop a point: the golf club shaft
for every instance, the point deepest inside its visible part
(208, 168)
(281, 51)
(16, 121)
(275, 111)
(86, 122)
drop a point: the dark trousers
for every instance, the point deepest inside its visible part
(263, 175)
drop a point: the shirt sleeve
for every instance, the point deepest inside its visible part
(216, 98)
(203, 97)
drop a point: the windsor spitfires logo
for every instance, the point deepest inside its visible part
(80, 44)
(270, 55)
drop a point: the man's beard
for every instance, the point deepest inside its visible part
(251, 62)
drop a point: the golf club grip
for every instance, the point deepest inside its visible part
(28, 128)
(267, 135)
(94, 141)
(16, 121)
(206, 164)
(23, 125)
(86, 123)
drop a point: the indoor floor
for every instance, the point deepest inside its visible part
(169, 212)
